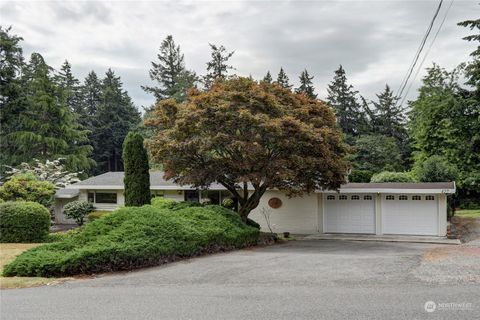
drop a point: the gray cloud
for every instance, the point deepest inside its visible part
(374, 40)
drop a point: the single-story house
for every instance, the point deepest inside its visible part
(363, 208)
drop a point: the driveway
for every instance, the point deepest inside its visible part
(297, 280)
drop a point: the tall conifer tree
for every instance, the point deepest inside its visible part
(282, 79)
(171, 77)
(218, 67)
(137, 176)
(306, 85)
(343, 99)
(268, 77)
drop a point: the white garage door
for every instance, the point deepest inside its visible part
(410, 214)
(349, 213)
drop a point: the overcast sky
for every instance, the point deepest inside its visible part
(374, 40)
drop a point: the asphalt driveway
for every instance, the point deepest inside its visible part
(297, 280)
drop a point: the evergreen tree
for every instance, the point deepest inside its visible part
(169, 73)
(282, 79)
(137, 176)
(218, 67)
(343, 99)
(115, 117)
(306, 85)
(389, 117)
(268, 77)
(12, 103)
(72, 90)
(91, 94)
(47, 128)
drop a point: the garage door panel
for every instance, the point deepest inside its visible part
(413, 217)
(349, 216)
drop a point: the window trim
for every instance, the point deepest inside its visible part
(355, 197)
(429, 197)
(416, 197)
(342, 197)
(367, 197)
(102, 191)
(330, 197)
(389, 197)
(402, 197)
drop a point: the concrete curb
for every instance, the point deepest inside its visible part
(414, 239)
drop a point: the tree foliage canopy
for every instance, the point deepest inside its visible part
(240, 132)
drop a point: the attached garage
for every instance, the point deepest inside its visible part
(415, 214)
(349, 213)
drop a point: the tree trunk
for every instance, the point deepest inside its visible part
(250, 203)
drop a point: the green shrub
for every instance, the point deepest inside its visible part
(360, 176)
(77, 210)
(136, 237)
(228, 203)
(172, 204)
(26, 187)
(436, 169)
(388, 176)
(137, 176)
(23, 222)
(253, 223)
(96, 214)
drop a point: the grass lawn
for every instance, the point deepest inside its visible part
(8, 252)
(468, 213)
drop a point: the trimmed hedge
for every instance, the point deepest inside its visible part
(135, 237)
(22, 221)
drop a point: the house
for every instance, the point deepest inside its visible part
(364, 208)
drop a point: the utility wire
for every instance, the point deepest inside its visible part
(427, 52)
(419, 51)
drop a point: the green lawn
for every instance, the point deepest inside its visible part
(468, 213)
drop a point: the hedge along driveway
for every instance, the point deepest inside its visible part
(136, 237)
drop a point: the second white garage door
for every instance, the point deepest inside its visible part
(410, 214)
(349, 213)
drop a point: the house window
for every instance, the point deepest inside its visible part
(416, 198)
(192, 195)
(91, 197)
(390, 197)
(105, 197)
(355, 197)
(429, 198)
(402, 198)
(330, 197)
(367, 197)
(342, 197)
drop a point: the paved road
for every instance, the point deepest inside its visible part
(298, 280)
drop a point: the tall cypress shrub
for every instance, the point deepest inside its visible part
(137, 177)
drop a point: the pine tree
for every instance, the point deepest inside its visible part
(282, 79)
(268, 77)
(115, 117)
(343, 99)
(218, 67)
(48, 129)
(12, 103)
(137, 176)
(306, 85)
(170, 74)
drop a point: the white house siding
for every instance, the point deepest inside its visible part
(296, 215)
(59, 216)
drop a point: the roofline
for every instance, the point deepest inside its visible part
(386, 190)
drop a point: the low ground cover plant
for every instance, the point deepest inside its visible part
(23, 221)
(134, 237)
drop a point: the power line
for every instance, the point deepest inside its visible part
(419, 51)
(427, 52)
